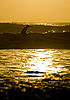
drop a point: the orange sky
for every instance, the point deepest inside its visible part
(34, 10)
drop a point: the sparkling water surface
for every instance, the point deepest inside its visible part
(38, 68)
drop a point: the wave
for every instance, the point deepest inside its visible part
(35, 40)
(37, 27)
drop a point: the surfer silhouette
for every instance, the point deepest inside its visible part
(23, 32)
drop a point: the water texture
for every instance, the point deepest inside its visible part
(42, 69)
(37, 27)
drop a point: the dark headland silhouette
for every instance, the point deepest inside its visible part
(34, 40)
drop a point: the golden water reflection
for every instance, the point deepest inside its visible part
(40, 63)
(34, 65)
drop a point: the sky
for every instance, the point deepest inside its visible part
(34, 10)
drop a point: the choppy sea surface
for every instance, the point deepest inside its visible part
(36, 27)
(37, 68)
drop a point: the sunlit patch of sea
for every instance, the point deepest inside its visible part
(38, 68)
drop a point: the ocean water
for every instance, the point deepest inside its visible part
(37, 27)
(34, 68)
(43, 73)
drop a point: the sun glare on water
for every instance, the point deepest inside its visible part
(38, 64)
(35, 67)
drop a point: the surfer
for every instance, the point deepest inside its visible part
(23, 32)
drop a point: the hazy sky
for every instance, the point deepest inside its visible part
(35, 10)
